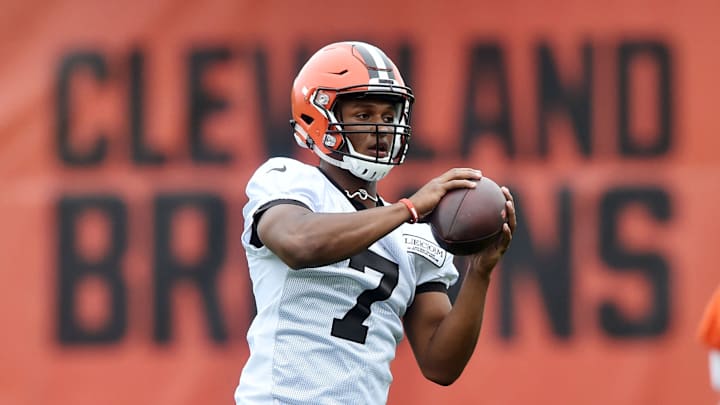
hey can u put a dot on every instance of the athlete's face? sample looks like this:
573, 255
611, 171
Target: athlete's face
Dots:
370, 137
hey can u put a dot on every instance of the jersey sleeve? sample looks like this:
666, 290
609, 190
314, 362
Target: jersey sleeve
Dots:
277, 180
433, 265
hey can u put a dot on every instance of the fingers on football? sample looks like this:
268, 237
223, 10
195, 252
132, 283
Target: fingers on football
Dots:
507, 193
506, 239
459, 183
512, 217
463, 173
510, 208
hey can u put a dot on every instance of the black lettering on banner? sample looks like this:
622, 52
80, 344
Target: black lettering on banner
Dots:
204, 273
274, 122
74, 269
141, 152
71, 65
549, 265
651, 265
555, 96
351, 327
203, 103
405, 61
661, 143
487, 81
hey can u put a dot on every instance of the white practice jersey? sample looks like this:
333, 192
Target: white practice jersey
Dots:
327, 335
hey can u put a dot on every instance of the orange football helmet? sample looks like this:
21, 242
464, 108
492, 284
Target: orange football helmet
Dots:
349, 69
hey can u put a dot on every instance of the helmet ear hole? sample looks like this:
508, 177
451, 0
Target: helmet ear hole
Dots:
308, 119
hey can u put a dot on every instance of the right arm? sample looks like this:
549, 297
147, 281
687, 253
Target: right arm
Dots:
302, 238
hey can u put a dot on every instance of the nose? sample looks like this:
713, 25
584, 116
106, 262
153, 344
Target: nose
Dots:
385, 135
384, 129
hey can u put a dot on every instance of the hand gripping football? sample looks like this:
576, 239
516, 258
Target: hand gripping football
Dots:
468, 219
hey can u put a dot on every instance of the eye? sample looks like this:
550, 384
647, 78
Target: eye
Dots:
389, 119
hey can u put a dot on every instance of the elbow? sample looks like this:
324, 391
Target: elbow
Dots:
294, 264
297, 260
299, 255
442, 377
443, 380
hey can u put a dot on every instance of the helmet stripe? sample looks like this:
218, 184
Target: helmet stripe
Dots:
379, 65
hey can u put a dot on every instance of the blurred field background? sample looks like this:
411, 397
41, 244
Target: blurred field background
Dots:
128, 131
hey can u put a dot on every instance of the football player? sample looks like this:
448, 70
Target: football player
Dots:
338, 272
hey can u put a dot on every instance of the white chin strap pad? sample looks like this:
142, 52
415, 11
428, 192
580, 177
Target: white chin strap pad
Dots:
367, 171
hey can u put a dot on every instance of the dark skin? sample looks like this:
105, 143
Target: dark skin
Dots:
443, 336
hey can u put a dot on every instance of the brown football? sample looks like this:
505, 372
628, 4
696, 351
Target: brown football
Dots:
468, 219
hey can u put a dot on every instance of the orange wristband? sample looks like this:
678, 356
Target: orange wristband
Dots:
413, 212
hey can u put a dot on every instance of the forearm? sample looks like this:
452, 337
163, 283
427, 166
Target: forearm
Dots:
444, 336
453, 342
318, 239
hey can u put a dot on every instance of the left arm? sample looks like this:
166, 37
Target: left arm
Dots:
443, 336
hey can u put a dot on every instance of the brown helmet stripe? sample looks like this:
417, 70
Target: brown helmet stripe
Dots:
378, 64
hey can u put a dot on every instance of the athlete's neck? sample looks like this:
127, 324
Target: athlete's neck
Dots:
348, 182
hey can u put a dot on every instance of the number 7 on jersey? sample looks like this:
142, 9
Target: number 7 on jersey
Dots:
350, 327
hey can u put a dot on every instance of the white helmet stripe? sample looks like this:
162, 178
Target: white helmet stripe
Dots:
375, 58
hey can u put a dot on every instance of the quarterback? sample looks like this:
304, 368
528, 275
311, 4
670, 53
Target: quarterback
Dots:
340, 274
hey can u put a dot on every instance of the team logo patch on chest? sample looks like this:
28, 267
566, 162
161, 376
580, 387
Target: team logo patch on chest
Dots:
425, 248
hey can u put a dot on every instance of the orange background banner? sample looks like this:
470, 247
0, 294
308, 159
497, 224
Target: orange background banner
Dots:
128, 132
